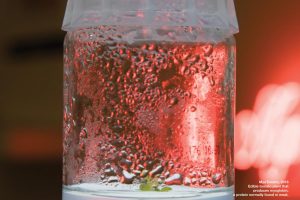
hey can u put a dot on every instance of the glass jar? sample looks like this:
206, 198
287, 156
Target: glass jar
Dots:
149, 99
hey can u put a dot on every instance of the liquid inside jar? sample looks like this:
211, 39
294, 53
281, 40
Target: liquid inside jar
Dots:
147, 109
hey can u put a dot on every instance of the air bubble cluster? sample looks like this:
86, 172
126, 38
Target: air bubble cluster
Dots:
123, 103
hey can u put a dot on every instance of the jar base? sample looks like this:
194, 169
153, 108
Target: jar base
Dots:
131, 192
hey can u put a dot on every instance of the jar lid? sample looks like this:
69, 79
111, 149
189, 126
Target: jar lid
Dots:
210, 15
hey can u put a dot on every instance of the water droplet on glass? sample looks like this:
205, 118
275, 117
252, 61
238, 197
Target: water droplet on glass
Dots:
158, 170
109, 172
127, 177
193, 108
216, 178
202, 180
173, 101
144, 173
175, 179
187, 181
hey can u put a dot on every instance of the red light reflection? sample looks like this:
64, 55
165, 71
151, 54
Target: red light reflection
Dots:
268, 138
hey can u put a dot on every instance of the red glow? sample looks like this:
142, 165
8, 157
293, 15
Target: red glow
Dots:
33, 144
268, 138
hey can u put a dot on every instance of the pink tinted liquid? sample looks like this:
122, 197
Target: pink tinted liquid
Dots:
146, 109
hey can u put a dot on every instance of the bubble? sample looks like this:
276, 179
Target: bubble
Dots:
127, 177
185, 56
173, 101
144, 173
208, 182
187, 181
107, 166
194, 181
212, 81
109, 172
83, 133
202, 180
123, 154
149, 164
137, 172
183, 69
208, 49
193, 108
204, 173
158, 170
175, 179
216, 178
152, 47
193, 174
203, 65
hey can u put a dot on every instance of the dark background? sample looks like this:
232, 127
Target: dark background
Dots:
268, 51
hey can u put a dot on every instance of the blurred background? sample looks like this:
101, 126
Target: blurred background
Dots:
268, 52
31, 99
